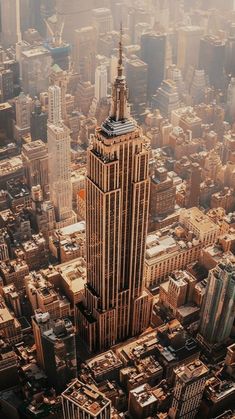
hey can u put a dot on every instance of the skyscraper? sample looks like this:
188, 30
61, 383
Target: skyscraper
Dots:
101, 82
188, 47
117, 190
8, 22
85, 49
218, 310
58, 136
153, 53
136, 74
35, 162
38, 122
23, 105
193, 186
212, 59
59, 353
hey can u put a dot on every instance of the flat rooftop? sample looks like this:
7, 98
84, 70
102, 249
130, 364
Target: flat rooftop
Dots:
103, 362
195, 369
198, 219
87, 398
73, 228
5, 315
35, 52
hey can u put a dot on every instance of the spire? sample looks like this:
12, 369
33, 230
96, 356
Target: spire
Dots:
119, 121
119, 111
120, 65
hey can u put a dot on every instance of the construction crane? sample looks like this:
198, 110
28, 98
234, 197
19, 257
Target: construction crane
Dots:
56, 33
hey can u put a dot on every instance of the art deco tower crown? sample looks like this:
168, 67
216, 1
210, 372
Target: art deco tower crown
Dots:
119, 122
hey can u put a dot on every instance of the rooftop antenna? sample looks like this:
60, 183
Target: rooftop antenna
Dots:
120, 65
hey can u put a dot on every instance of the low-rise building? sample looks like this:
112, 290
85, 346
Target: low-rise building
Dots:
145, 371
85, 401
42, 295
13, 272
10, 327
105, 366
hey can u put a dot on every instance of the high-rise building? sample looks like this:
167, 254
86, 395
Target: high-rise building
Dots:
167, 98
36, 66
8, 22
162, 196
217, 315
212, 59
230, 52
102, 20
59, 77
82, 400
35, 162
58, 136
117, 199
198, 87
38, 123
189, 386
136, 75
85, 45
59, 353
188, 47
6, 85
23, 105
231, 101
153, 52
40, 323
101, 82
193, 187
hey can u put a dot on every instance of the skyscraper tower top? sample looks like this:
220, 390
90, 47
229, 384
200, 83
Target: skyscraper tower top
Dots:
119, 122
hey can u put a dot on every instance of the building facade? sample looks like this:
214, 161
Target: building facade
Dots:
218, 311
59, 160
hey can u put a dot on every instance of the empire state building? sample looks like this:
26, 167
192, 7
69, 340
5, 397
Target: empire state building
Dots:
116, 305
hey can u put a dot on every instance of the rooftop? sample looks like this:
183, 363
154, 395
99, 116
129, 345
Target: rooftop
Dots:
5, 315
86, 397
195, 369
105, 361
198, 219
35, 52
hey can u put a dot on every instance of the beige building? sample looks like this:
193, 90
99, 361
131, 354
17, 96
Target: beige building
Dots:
10, 328
188, 46
171, 249
13, 299
82, 400
34, 252
35, 162
188, 390
200, 224
168, 253
85, 49
59, 160
14, 272
68, 243
42, 295
73, 279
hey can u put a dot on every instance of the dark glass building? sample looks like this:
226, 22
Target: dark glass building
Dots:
38, 123
59, 354
153, 52
212, 59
